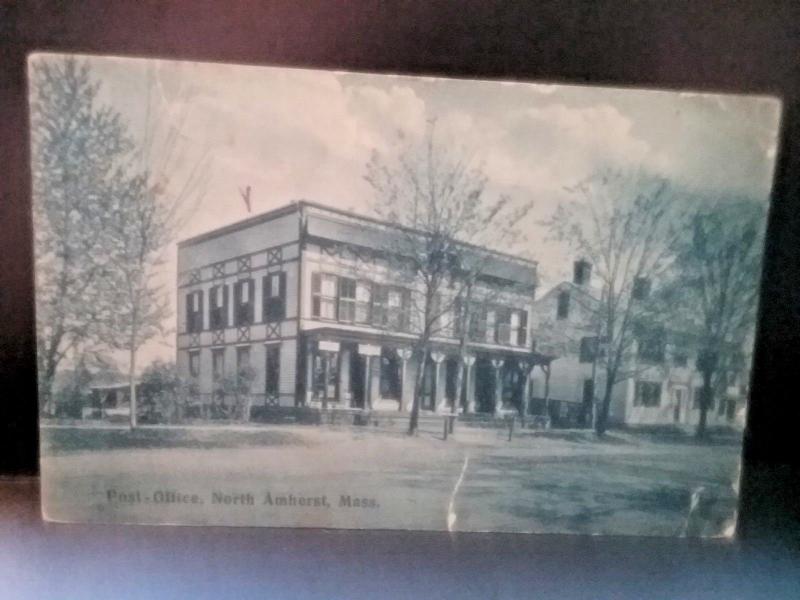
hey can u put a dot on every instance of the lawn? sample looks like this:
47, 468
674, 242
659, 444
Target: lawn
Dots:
368, 477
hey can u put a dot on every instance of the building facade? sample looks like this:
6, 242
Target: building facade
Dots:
662, 384
311, 302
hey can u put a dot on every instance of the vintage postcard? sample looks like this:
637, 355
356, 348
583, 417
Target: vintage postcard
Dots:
303, 298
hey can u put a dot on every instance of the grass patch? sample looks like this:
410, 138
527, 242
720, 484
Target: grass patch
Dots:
55, 442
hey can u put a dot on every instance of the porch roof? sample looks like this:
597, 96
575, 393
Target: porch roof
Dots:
400, 340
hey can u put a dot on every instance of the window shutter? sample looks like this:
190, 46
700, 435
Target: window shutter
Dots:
189, 313
265, 295
282, 295
523, 328
200, 312
225, 301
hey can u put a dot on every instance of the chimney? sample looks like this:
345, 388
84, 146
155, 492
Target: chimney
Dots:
581, 272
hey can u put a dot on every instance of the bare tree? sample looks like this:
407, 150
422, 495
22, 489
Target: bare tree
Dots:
79, 148
436, 198
138, 232
625, 222
714, 288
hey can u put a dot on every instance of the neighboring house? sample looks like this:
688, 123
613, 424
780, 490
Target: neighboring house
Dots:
663, 386
309, 298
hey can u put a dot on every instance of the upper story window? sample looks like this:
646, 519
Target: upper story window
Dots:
680, 359
323, 295
347, 299
363, 301
274, 298
519, 327
651, 345
390, 307
588, 351
562, 309
243, 291
641, 288
218, 307
503, 326
194, 311
491, 324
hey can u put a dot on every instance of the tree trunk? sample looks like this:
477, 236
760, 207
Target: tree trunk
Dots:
546, 370
132, 376
46, 389
413, 420
705, 400
601, 424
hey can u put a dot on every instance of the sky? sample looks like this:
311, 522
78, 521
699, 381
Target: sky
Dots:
290, 134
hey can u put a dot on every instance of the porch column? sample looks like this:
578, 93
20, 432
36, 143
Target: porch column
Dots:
404, 354
469, 361
527, 369
368, 351
437, 358
309, 387
497, 363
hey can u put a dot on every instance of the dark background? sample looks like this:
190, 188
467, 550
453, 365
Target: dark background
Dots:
710, 45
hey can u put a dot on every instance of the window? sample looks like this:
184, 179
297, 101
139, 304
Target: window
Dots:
396, 307
588, 349
243, 307
477, 323
519, 327
390, 307
218, 309
562, 310
274, 302
648, 393
323, 296
641, 288
194, 311
503, 326
651, 345
218, 363
242, 359
194, 363
347, 300
272, 371
363, 300
491, 324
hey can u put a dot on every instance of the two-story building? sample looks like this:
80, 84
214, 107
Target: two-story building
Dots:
309, 298
661, 384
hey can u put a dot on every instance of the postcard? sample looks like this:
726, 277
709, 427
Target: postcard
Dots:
303, 298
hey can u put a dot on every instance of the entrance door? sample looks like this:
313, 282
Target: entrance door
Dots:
588, 401
450, 367
357, 366
484, 385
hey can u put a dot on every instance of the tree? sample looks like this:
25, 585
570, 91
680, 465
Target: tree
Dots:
437, 200
139, 228
79, 148
625, 223
240, 386
714, 288
164, 389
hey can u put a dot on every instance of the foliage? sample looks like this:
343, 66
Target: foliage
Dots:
437, 199
714, 287
625, 223
79, 149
